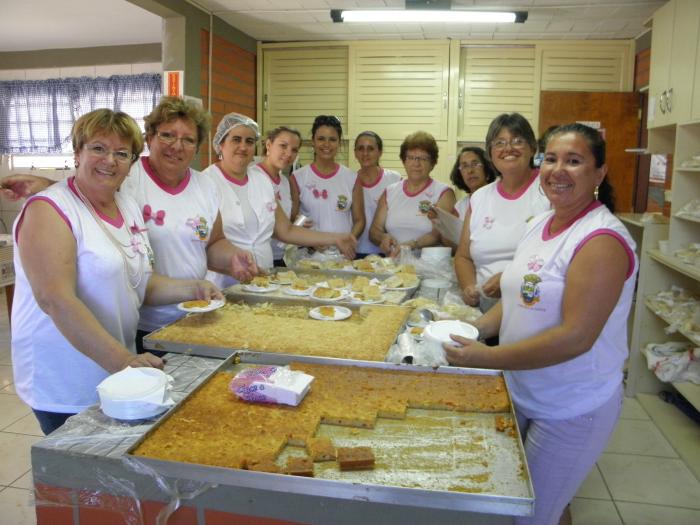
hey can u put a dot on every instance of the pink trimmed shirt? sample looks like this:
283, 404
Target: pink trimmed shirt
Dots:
326, 199
532, 290
406, 217
372, 193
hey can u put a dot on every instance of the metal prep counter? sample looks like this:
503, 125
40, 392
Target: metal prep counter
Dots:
85, 465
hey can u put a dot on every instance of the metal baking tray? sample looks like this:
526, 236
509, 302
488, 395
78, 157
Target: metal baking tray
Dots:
392, 296
153, 342
508, 490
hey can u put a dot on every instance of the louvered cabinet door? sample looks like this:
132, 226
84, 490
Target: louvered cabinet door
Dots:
495, 80
590, 69
301, 83
399, 88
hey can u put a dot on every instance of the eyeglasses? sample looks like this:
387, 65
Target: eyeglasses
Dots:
170, 138
471, 165
517, 143
121, 156
411, 158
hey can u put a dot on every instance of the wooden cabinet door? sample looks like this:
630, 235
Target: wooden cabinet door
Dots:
618, 114
661, 47
683, 52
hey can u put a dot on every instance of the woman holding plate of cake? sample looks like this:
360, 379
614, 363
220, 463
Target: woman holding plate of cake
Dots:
562, 322
250, 208
402, 218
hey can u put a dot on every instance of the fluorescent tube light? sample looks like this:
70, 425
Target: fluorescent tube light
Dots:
428, 16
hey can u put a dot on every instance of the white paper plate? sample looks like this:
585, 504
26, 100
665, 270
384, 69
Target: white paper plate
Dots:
293, 291
400, 288
343, 295
340, 313
213, 305
260, 289
370, 301
134, 411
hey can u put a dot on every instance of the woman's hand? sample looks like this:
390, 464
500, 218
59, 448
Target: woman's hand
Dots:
15, 187
206, 290
471, 295
492, 287
466, 352
389, 245
243, 266
347, 244
146, 360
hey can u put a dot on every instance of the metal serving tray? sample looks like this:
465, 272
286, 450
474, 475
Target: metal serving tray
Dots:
510, 494
153, 342
392, 296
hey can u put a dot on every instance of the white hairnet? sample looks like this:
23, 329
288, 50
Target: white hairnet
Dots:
229, 122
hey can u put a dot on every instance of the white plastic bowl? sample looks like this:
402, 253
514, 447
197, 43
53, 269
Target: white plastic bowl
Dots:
436, 253
135, 393
439, 331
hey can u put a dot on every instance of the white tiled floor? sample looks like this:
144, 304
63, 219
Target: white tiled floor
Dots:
640, 480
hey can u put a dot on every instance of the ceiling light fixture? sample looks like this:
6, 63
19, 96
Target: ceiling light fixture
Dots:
429, 16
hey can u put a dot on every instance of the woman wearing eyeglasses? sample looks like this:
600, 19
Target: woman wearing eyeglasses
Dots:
374, 180
327, 192
498, 212
83, 268
471, 171
180, 206
402, 214
250, 208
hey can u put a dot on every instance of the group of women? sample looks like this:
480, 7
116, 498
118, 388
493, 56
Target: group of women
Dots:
111, 249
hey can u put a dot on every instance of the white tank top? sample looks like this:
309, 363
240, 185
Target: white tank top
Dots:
283, 195
248, 215
371, 195
532, 288
462, 207
179, 222
50, 374
406, 214
498, 221
326, 199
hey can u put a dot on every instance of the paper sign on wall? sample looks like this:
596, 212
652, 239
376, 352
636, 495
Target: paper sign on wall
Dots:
173, 83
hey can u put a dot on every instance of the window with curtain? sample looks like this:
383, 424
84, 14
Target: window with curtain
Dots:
36, 116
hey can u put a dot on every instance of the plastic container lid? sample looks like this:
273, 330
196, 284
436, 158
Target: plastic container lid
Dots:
438, 284
439, 331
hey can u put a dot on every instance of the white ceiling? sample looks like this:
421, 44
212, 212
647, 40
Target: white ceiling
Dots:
27, 25
53, 24
285, 20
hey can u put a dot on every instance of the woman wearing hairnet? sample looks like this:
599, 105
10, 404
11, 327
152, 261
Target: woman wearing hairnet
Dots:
250, 212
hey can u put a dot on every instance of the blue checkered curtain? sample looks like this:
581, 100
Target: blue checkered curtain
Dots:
36, 116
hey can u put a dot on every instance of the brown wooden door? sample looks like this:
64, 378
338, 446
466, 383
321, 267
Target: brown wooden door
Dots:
618, 114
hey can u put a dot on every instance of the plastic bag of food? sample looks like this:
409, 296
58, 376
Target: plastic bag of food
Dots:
271, 384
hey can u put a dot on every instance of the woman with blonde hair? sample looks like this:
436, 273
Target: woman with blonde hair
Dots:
74, 320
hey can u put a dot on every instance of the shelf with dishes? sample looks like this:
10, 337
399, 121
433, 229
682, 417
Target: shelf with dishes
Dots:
693, 337
675, 263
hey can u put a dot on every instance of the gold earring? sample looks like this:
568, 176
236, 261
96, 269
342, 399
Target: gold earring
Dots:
595, 193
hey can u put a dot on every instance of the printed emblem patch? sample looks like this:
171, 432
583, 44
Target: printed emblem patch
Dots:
530, 290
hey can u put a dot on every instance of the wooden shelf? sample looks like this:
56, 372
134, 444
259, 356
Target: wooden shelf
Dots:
687, 218
675, 264
691, 392
637, 219
692, 338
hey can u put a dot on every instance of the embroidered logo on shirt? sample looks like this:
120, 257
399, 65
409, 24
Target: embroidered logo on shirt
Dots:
158, 217
424, 207
200, 227
488, 222
342, 203
534, 263
530, 290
